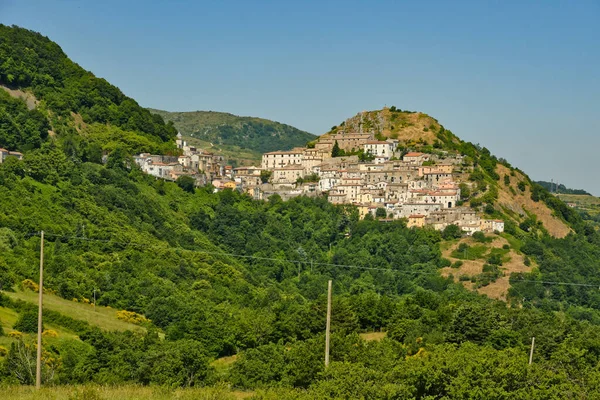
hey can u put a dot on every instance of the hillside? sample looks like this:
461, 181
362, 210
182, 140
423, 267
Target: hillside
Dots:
64, 99
412, 128
256, 134
554, 187
212, 275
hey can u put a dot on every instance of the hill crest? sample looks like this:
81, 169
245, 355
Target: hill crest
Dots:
257, 134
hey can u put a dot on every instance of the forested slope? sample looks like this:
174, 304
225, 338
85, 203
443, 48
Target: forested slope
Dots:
257, 134
73, 100
212, 275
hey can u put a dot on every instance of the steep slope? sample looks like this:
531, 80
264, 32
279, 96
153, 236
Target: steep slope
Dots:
69, 101
412, 128
257, 134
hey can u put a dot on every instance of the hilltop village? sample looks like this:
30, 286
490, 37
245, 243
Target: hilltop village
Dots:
379, 177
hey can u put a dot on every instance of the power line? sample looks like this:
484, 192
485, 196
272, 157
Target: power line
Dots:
216, 253
243, 256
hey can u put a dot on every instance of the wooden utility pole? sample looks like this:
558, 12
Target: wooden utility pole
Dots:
328, 324
94, 299
531, 352
38, 366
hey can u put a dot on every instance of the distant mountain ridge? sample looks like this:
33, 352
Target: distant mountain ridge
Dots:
258, 134
554, 187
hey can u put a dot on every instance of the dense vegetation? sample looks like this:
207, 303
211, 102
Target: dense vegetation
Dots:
261, 135
211, 275
156, 249
560, 188
30, 61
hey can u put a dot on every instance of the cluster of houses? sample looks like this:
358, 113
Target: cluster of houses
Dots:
197, 163
422, 188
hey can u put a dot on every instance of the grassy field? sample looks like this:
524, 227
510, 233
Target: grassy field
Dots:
587, 203
103, 317
126, 392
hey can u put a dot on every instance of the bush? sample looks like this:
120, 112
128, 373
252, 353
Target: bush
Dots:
457, 264
494, 259
27, 322
452, 232
481, 238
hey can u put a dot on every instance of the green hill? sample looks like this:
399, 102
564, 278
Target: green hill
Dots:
560, 188
257, 134
220, 274
70, 102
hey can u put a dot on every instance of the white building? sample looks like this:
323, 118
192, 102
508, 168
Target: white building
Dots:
279, 159
379, 149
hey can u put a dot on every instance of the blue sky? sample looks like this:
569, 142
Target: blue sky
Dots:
520, 77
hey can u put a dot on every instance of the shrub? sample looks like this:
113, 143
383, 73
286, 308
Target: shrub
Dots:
131, 317
457, 264
31, 285
27, 322
50, 333
495, 259
444, 262
480, 237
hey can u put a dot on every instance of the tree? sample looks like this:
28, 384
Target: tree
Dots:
186, 183
336, 151
265, 176
452, 232
27, 322
175, 364
380, 212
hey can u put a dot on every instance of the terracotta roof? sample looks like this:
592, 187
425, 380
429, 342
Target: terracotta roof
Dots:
376, 142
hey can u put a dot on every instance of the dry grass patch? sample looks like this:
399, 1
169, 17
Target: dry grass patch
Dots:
514, 262
521, 204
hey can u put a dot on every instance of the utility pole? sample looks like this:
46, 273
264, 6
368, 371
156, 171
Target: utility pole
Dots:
94, 299
531, 352
38, 366
328, 324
